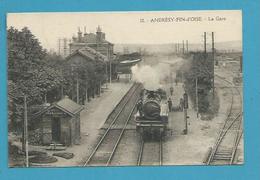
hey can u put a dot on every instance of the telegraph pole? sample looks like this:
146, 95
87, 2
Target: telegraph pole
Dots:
183, 48
205, 43
26, 131
65, 47
106, 73
197, 99
110, 73
213, 65
186, 106
77, 88
187, 46
241, 64
59, 48
77, 81
62, 91
86, 93
110, 66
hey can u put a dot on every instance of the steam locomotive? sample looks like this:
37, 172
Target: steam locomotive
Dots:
152, 114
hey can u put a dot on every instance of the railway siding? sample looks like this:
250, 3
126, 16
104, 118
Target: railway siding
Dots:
225, 148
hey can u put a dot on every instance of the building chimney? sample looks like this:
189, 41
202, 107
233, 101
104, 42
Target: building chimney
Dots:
79, 35
85, 31
99, 34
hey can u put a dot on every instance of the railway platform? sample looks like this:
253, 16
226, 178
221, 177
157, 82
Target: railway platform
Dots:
192, 148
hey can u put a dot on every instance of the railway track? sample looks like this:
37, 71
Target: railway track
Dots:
105, 149
225, 147
150, 153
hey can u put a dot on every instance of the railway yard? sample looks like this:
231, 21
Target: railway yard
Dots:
109, 136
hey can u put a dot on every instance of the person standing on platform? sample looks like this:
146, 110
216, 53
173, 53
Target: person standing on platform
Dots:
181, 104
139, 107
170, 104
176, 81
171, 90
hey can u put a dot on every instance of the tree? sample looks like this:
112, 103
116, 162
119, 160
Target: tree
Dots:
199, 67
89, 74
28, 72
24, 56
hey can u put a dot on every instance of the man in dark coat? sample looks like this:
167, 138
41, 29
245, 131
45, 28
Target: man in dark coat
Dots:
139, 107
171, 90
170, 104
181, 104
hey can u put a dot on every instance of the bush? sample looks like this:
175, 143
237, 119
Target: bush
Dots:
43, 159
64, 155
35, 137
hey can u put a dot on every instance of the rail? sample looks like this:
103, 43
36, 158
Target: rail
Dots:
126, 98
227, 126
160, 152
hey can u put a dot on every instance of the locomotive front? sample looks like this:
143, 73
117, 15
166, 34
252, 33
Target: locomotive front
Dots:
152, 116
151, 105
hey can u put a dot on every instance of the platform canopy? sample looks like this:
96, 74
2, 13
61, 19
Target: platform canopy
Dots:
124, 67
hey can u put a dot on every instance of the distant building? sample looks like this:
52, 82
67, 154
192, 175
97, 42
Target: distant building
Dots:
95, 41
63, 47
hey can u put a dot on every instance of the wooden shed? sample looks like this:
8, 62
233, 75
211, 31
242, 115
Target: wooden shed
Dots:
60, 123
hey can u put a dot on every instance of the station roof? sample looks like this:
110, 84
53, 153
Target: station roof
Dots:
89, 52
130, 62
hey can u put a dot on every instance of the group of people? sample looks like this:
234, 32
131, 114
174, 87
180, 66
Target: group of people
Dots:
169, 101
170, 104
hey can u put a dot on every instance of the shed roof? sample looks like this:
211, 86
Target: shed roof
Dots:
69, 105
66, 105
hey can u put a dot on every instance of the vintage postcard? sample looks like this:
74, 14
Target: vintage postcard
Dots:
125, 88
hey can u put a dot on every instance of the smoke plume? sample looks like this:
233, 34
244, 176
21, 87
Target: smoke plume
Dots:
150, 76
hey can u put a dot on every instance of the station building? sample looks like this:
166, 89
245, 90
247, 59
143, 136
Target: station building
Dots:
96, 41
87, 66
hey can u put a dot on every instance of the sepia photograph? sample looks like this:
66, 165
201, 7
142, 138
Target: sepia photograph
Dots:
147, 88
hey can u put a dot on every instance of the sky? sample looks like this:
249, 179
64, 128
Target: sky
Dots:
133, 27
